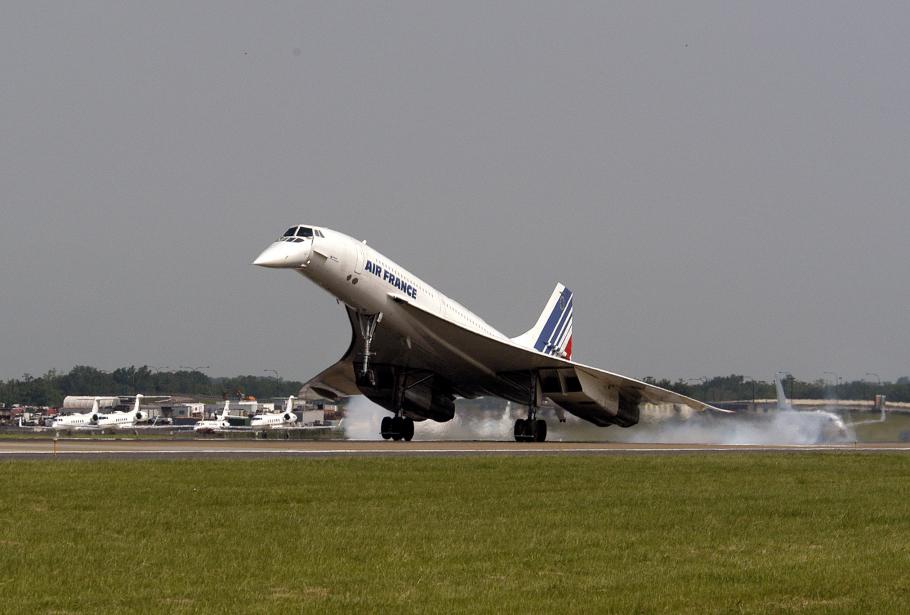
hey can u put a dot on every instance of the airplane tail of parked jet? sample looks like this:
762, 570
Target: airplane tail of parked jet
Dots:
136, 412
226, 410
782, 402
552, 334
289, 404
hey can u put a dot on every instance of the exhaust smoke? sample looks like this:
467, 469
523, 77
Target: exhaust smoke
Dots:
363, 417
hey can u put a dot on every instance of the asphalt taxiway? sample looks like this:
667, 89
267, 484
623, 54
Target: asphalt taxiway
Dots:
143, 448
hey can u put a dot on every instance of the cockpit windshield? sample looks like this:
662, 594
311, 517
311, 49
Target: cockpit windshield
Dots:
297, 234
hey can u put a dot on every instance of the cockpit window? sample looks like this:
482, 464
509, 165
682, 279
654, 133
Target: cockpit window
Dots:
297, 234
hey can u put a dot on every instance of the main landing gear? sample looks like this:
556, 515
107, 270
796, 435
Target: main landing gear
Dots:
531, 429
397, 428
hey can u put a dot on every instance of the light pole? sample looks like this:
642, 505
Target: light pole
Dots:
833, 380
278, 378
752, 382
879, 379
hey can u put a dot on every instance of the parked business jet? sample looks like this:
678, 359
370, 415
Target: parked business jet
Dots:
835, 428
79, 421
122, 420
218, 423
414, 350
275, 420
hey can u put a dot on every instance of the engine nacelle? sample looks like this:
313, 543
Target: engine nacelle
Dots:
141, 416
435, 403
431, 399
628, 413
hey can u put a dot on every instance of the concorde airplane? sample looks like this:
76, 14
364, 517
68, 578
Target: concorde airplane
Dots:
414, 351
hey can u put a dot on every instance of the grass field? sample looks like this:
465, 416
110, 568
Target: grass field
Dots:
726, 533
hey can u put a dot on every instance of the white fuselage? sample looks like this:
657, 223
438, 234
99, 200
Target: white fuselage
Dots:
364, 279
270, 421
75, 422
212, 425
117, 420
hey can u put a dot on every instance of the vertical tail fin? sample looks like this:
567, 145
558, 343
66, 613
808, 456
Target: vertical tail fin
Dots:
226, 410
552, 334
782, 402
289, 405
139, 396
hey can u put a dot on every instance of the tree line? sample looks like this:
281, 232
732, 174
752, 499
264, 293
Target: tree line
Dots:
52, 387
740, 388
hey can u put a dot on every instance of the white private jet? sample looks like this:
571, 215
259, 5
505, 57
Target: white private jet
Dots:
275, 420
834, 427
122, 420
218, 423
414, 350
79, 421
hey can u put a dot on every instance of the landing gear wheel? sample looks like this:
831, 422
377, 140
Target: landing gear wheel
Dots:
396, 428
407, 429
529, 430
385, 427
540, 430
519, 430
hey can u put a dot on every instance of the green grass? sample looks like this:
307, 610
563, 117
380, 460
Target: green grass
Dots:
739, 533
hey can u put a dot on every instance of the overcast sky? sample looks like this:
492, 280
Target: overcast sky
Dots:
723, 185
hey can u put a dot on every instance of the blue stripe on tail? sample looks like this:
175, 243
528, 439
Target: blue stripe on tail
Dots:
556, 322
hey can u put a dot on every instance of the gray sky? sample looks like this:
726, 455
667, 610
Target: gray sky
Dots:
724, 185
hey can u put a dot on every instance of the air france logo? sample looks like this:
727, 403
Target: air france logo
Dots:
392, 279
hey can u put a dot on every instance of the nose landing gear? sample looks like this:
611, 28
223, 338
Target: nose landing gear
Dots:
367, 324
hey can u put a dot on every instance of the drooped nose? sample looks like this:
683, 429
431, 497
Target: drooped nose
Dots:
284, 254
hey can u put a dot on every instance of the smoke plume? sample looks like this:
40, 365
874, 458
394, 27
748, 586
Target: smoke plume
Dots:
362, 421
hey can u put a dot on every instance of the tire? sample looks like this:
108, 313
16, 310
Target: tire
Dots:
397, 423
519, 430
540, 430
407, 429
385, 427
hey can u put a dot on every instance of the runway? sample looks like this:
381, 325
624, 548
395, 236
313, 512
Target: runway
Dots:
85, 448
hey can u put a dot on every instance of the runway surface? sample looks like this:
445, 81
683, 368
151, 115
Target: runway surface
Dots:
165, 449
